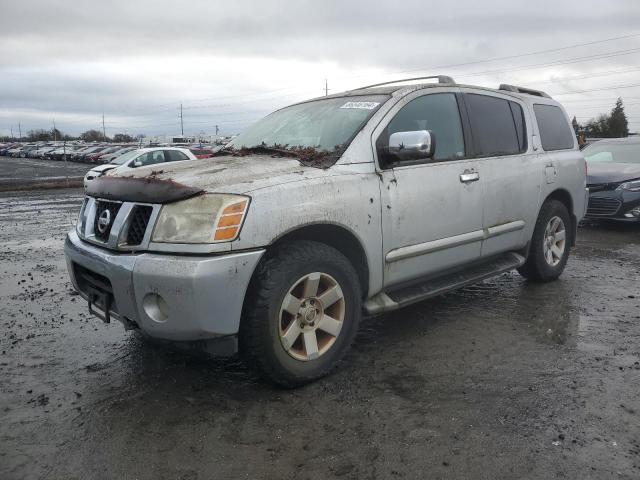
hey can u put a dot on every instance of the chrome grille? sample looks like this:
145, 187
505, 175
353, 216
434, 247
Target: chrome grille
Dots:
101, 232
128, 227
138, 225
603, 207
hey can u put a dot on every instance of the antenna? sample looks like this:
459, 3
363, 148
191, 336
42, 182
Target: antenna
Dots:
326, 87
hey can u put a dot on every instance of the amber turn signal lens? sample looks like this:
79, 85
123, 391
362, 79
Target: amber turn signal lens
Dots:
226, 233
235, 208
230, 220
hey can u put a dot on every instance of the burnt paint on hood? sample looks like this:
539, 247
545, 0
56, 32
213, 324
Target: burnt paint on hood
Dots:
143, 190
228, 174
611, 172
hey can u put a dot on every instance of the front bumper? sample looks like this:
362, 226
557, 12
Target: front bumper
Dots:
201, 296
613, 205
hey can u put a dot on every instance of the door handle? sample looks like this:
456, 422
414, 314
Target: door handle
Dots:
469, 176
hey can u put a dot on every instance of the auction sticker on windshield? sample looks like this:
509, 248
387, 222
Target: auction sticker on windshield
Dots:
362, 105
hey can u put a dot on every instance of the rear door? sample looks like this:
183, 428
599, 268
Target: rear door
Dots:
511, 170
431, 209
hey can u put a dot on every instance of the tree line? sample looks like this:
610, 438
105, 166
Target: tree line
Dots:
42, 135
612, 125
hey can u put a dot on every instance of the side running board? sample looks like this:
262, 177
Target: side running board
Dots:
402, 296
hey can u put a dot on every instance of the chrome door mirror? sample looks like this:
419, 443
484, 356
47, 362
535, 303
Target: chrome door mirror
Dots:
416, 145
137, 163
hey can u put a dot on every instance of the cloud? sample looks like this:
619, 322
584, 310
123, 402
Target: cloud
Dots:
230, 63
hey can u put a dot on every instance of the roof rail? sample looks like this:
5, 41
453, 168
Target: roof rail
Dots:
528, 91
441, 79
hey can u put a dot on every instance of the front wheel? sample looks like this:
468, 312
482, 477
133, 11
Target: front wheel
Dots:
302, 313
549, 249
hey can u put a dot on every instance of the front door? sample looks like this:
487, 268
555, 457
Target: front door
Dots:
432, 209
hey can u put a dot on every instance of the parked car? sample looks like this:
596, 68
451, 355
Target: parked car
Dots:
95, 157
63, 151
109, 157
202, 152
42, 151
364, 201
25, 151
613, 179
6, 149
139, 158
85, 149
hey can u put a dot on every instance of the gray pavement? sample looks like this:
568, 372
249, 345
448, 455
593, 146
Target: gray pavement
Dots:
27, 168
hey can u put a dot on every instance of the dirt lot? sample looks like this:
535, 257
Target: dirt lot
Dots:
502, 380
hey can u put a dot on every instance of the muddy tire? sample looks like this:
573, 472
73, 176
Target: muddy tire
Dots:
302, 312
550, 243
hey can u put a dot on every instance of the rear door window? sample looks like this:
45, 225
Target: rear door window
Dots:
555, 132
175, 155
495, 128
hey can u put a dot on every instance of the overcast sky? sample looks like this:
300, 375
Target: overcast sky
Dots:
231, 62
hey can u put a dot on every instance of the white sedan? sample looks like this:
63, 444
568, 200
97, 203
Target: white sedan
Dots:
140, 158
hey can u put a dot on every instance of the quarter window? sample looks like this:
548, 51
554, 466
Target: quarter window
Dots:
497, 126
436, 112
555, 133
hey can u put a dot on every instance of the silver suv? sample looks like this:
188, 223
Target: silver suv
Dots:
351, 204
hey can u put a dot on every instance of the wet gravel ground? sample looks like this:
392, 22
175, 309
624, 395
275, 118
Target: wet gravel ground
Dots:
506, 379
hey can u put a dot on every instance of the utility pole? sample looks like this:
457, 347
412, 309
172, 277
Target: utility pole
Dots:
54, 130
217, 130
326, 87
181, 123
20, 130
11, 132
104, 133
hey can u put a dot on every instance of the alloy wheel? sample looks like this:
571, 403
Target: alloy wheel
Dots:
311, 316
554, 241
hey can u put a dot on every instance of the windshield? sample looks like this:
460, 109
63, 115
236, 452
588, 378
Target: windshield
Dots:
125, 157
324, 125
606, 152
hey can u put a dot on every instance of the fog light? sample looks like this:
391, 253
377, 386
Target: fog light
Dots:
633, 213
155, 307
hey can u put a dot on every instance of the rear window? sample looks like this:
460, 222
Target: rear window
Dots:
497, 126
555, 132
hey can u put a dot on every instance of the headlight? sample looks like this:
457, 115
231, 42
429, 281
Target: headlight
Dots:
632, 186
207, 218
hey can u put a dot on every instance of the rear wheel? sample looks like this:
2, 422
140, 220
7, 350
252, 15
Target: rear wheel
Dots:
549, 249
302, 313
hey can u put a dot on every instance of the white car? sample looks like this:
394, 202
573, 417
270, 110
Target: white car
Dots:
140, 158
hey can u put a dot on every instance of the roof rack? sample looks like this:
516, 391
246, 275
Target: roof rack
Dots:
441, 79
528, 91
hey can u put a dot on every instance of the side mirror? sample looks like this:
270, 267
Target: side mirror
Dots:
137, 163
416, 145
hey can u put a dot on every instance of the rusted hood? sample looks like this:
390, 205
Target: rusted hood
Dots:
163, 183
